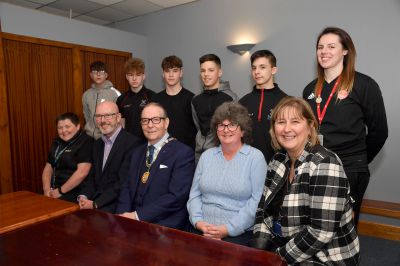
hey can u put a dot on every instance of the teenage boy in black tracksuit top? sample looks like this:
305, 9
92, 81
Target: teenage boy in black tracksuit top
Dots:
264, 97
214, 94
131, 102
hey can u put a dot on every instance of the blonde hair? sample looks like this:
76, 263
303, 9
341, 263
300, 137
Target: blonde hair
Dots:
303, 110
134, 65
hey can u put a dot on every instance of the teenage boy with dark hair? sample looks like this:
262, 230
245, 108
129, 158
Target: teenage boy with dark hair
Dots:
131, 102
265, 96
101, 90
204, 104
177, 101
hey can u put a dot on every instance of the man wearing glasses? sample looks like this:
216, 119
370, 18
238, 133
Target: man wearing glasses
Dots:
111, 158
160, 175
100, 91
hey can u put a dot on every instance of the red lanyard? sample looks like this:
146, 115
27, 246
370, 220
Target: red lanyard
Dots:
261, 105
321, 116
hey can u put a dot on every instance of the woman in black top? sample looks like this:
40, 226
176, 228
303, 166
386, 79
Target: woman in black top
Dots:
69, 160
349, 107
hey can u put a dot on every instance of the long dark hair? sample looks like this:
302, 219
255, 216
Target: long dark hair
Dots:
348, 72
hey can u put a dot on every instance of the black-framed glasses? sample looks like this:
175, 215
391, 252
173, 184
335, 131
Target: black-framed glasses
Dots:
98, 72
105, 116
155, 120
231, 127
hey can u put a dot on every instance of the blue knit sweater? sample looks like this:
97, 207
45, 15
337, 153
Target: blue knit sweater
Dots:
227, 192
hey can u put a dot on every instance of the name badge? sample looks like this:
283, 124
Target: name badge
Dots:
321, 139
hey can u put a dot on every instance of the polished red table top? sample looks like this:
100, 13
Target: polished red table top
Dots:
90, 237
22, 208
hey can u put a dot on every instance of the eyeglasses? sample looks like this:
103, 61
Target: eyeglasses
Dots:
155, 120
231, 127
98, 72
105, 116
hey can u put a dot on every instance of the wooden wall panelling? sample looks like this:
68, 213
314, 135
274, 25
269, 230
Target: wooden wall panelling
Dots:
115, 67
39, 80
119, 74
77, 83
5, 158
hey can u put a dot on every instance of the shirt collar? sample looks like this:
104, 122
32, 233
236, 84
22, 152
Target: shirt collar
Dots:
139, 90
113, 136
245, 149
302, 157
160, 143
210, 91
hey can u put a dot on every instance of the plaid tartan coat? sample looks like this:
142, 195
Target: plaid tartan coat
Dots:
315, 214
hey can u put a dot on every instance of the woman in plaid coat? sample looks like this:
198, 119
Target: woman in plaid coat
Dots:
305, 212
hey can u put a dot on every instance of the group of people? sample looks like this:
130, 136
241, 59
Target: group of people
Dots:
270, 171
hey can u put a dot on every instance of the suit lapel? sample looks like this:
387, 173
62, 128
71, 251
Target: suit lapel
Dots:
164, 153
137, 175
100, 156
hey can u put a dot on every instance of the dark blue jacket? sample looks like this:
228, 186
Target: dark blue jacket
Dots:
163, 199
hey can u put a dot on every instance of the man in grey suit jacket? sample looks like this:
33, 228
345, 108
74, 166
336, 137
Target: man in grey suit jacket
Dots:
111, 158
160, 175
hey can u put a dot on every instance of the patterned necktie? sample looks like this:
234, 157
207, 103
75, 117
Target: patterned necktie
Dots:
151, 154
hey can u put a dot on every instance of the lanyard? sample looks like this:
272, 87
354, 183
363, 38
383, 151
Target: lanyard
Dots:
261, 105
57, 156
319, 99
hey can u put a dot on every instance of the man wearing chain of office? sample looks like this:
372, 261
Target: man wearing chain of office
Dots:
160, 175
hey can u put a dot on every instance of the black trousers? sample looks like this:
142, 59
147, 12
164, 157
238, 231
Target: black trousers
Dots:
358, 185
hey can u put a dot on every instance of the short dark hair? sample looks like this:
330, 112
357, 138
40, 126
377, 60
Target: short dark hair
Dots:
157, 105
68, 115
235, 113
98, 66
264, 53
171, 61
134, 65
210, 57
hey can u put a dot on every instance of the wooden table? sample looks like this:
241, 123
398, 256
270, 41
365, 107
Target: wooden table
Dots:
91, 237
22, 208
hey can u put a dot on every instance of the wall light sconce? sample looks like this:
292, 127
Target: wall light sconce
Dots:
241, 48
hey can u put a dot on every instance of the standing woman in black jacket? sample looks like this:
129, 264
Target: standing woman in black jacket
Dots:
349, 107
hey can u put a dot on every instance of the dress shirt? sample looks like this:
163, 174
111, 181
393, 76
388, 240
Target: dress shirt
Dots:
108, 143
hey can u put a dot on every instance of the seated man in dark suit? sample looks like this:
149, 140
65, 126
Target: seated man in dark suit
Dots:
111, 158
160, 175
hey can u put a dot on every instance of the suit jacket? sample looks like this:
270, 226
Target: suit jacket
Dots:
163, 201
103, 185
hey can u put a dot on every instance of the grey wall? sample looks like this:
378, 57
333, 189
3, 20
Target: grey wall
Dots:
288, 28
29, 22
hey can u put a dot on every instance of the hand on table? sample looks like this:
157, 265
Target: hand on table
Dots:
211, 230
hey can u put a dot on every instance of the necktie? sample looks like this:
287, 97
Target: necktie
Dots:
151, 154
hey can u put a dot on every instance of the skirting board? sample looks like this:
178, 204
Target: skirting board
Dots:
385, 231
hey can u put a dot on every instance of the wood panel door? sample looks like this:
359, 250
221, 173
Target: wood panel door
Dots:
39, 87
40, 79
115, 68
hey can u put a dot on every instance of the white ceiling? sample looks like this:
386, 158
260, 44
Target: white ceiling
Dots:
102, 12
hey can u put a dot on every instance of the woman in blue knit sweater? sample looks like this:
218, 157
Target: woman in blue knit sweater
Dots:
229, 179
